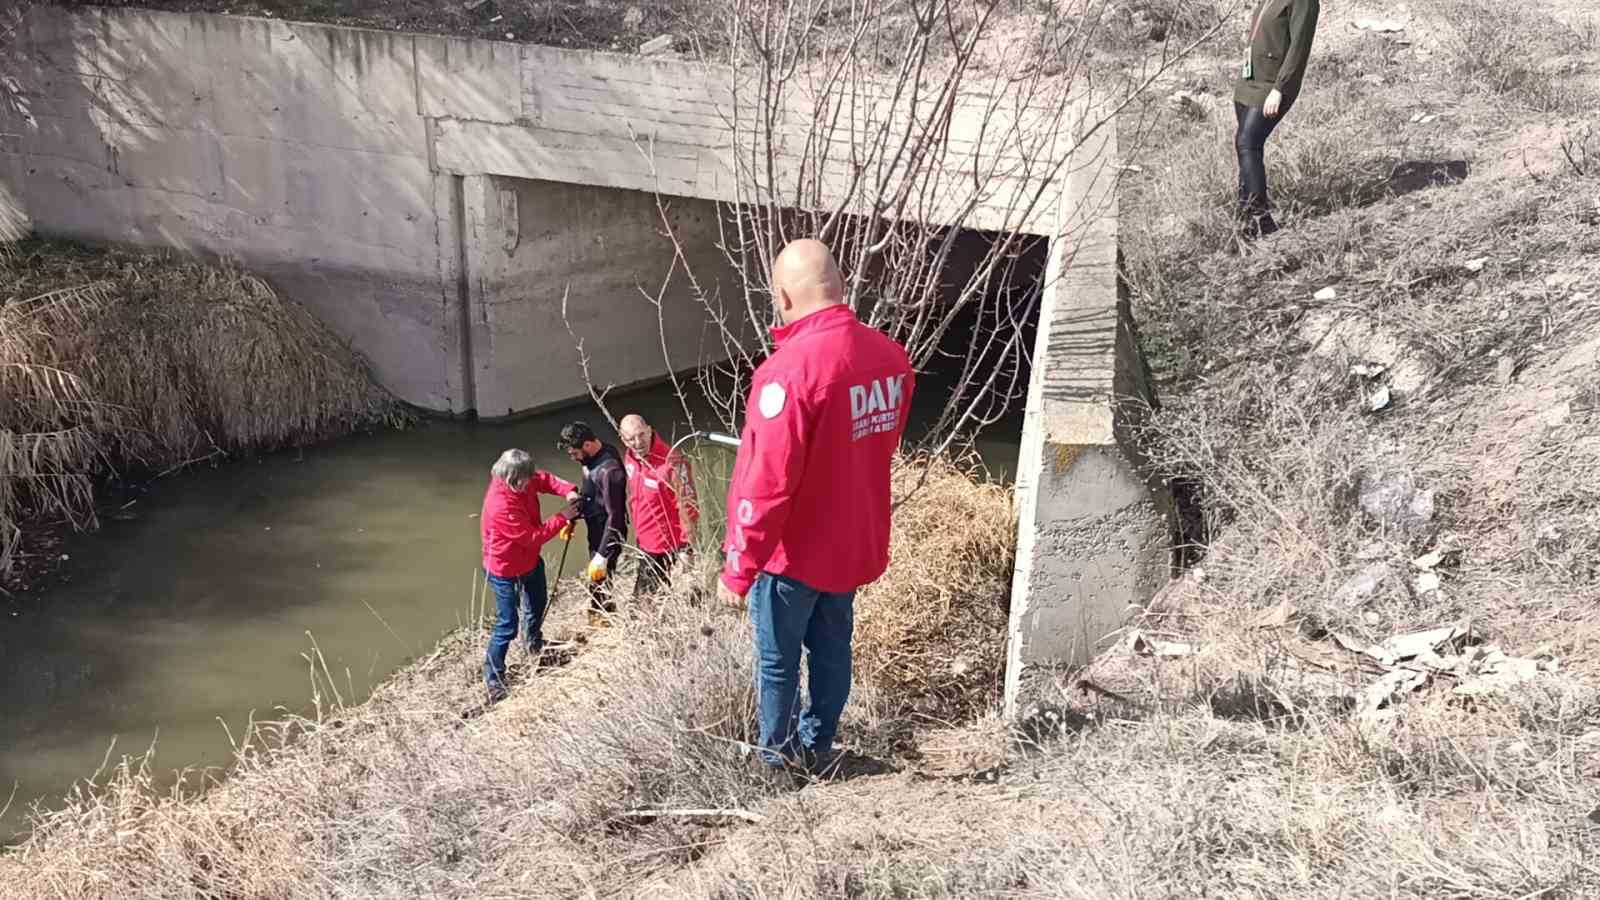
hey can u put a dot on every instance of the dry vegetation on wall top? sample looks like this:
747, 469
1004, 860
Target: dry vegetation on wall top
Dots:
124, 362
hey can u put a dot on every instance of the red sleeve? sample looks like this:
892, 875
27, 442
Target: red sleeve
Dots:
543, 482
771, 461
547, 530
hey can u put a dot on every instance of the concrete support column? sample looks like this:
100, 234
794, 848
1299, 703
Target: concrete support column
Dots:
1093, 536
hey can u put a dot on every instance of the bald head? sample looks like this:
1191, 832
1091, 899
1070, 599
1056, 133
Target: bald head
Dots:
805, 279
636, 434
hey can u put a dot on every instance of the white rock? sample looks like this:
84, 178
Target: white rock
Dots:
1382, 26
656, 45
1325, 294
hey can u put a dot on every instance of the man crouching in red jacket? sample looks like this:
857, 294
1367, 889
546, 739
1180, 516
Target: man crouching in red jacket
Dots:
808, 507
513, 535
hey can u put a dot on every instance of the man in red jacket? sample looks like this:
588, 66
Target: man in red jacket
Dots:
513, 535
661, 499
808, 507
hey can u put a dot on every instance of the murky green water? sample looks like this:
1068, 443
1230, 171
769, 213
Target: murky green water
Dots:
198, 611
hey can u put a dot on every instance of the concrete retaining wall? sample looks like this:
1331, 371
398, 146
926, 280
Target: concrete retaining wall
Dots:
1093, 536
309, 153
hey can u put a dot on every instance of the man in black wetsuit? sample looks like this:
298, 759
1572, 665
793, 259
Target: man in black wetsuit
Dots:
603, 504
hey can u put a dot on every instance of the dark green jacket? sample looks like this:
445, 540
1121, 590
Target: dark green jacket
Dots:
1279, 52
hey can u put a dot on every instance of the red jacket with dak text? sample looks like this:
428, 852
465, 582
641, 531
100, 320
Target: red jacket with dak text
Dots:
810, 493
513, 533
655, 486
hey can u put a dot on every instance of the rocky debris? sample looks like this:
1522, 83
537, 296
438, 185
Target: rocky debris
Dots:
1189, 103
1146, 646
1409, 662
1505, 370
656, 46
1346, 336
1393, 501
1365, 585
1326, 294
1379, 26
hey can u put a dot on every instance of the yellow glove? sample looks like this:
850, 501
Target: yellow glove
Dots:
597, 568
566, 532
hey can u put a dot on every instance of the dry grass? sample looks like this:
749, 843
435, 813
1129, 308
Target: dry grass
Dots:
113, 361
931, 633
1536, 61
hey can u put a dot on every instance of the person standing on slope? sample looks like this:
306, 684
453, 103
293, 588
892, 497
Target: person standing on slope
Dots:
662, 500
1274, 67
808, 506
603, 503
513, 535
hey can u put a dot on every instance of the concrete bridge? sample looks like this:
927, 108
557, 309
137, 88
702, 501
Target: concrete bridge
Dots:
433, 198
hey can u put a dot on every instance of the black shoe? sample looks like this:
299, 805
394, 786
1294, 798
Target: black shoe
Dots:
1260, 226
781, 778
823, 766
496, 694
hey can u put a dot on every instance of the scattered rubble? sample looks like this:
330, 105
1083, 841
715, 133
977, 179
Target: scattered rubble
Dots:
1189, 103
1144, 646
1393, 501
1364, 585
656, 45
1379, 26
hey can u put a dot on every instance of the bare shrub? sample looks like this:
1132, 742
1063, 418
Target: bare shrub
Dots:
888, 130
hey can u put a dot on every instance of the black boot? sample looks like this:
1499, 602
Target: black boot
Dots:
1259, 225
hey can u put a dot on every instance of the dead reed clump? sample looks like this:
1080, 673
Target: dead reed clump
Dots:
114, 362
931, 632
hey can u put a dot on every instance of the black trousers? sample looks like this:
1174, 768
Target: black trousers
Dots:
655, 572
1250, 141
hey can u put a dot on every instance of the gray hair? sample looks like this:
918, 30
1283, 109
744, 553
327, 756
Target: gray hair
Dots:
514, 467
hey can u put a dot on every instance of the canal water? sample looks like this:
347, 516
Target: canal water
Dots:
196, 611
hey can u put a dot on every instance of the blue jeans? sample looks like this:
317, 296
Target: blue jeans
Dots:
788, 615
507, 594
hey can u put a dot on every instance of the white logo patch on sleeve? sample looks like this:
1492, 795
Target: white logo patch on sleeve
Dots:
772, 400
